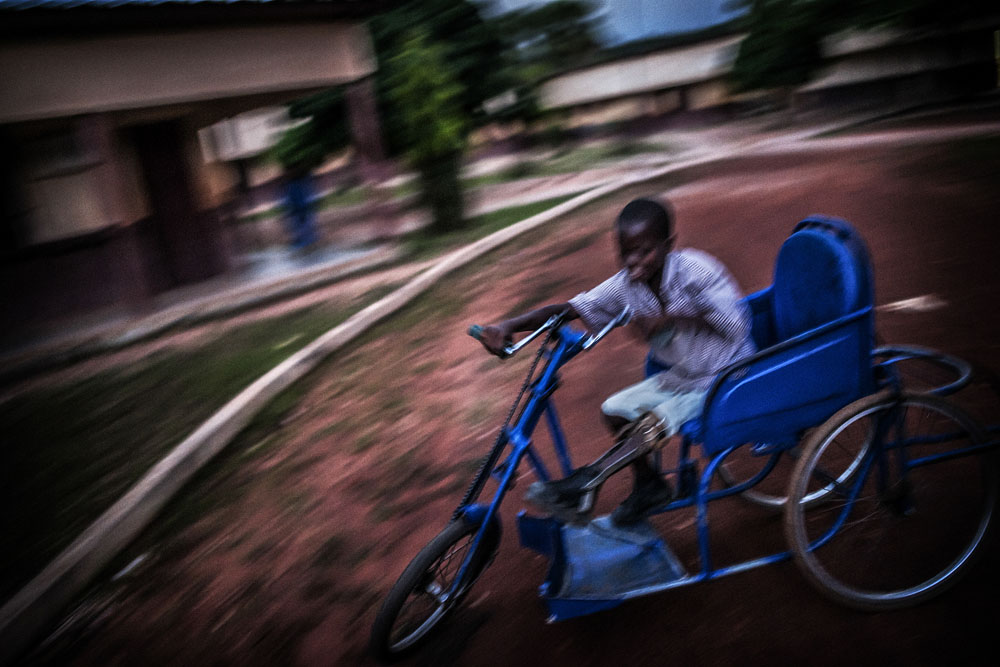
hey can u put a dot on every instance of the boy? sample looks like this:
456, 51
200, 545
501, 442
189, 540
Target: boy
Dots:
688, 308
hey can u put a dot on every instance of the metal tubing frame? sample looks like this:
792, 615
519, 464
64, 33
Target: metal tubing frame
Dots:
569, 344
558, 438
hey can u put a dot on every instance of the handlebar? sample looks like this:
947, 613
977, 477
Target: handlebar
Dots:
476, 331
621, 319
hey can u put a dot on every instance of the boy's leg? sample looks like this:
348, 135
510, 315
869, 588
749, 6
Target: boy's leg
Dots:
633, 442
638, 430
650, 490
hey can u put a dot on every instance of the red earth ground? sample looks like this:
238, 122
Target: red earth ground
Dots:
294, 548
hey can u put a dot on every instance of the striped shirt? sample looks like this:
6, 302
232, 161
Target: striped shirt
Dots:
694, 284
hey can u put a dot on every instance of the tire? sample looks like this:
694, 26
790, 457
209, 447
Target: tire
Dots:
771, 492
885, 535
922, 371
394, 634
742, 465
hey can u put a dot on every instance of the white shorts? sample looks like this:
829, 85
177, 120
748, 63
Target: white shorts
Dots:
672, 407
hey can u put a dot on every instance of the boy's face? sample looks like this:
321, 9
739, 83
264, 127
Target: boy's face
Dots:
642, 251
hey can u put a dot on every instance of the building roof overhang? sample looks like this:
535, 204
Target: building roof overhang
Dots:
37, 19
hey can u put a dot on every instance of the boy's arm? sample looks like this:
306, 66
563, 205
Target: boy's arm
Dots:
722, 308
496, 336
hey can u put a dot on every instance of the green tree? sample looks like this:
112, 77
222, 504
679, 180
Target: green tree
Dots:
471, 49
552, 37
431, 122
539, 42
783, 46
322, 131
471, 62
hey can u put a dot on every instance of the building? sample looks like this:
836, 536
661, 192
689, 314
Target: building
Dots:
689, 73
105, 198
688, 77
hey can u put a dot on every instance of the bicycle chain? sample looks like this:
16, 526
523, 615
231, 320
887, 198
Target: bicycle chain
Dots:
490, 460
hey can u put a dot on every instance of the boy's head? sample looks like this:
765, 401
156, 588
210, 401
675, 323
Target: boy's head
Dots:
645, 235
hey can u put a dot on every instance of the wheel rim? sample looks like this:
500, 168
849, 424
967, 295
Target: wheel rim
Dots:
433, 596
772, 491
890, 533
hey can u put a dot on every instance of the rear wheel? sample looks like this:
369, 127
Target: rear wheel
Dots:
429, 588
889, 525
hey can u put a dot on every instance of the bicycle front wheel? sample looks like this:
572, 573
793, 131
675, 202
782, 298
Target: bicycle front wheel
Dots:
904, 501
430, 588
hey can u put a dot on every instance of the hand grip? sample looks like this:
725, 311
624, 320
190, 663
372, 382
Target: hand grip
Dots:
476, 331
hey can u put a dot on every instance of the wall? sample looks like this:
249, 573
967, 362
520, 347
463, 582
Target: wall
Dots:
885, 67
653, 72
67, 77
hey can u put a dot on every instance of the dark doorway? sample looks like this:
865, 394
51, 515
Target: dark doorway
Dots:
184, 244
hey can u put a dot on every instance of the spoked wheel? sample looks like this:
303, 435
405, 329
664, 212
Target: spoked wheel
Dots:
429, 588
897, 513
772, 491
744, 464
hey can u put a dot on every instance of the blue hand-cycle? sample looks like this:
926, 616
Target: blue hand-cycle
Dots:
891, 492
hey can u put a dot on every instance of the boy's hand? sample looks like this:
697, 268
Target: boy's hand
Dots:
494, 338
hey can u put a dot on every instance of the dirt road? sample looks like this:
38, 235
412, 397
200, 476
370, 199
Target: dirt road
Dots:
287, 555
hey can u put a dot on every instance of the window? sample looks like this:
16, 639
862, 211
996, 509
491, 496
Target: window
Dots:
63, 187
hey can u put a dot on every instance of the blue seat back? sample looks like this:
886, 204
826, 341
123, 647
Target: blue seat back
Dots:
822, 293
817, 278
823, 272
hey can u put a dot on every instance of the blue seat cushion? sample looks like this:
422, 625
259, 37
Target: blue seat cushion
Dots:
816, 280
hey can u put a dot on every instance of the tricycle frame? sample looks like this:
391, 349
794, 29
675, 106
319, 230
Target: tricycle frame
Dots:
855, 376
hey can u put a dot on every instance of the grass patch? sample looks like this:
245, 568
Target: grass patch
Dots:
342, 198
356, 196
515, 172
364, 442
71, 451
479, 413
423, 245
394, 405
425, 368
333, 549
336, 428
580, 243
219, 484
586, 157
569, 161
563, 162
347, 197
379, 292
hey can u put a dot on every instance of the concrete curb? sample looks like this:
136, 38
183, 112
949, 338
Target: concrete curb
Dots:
25, 615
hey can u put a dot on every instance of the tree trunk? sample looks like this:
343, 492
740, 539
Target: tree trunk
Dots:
442, 192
